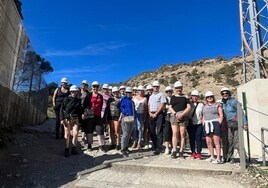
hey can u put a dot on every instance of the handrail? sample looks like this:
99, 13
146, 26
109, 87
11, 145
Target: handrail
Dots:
263, 146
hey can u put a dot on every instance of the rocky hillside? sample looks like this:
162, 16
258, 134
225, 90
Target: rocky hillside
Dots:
203, 75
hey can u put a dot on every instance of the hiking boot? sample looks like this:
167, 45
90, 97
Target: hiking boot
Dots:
198, 156
174, 155
74, 151
117, 147
66, 152
89, 147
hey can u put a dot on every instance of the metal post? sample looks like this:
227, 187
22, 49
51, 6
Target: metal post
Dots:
263, 148
241, 138
246, 113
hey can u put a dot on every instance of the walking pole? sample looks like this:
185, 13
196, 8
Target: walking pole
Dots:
246, 113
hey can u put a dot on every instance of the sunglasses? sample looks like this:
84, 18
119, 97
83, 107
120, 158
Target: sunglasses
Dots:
224, 93
209, 97
178, 87
95, 86
168, 91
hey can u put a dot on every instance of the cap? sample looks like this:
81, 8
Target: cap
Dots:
168, 88
208, 94
105, 86
115, 89
195, 93
64, 80
74, 88
156, 83
128, 90
178, 84
95, 83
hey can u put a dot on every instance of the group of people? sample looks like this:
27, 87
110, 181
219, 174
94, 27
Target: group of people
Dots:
137, 115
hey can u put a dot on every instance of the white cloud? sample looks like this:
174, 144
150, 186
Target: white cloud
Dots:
90, 50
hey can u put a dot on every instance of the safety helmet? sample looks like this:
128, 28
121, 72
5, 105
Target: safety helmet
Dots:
74, 88
105, 86
140, 88
64, 80
168, 88
85, 82
128, 90
115, 89
225, 89
156, 83
110, 87
178, 84
195, 93
95, 83
209, 94
149, 87
135, 88
122, 87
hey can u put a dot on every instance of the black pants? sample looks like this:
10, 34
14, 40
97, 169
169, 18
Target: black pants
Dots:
167, 131
156, 131
58, 125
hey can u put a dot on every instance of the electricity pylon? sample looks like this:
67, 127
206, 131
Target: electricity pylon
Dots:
254, 35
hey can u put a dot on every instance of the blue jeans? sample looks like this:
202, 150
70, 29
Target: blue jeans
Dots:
195, 136
138, 127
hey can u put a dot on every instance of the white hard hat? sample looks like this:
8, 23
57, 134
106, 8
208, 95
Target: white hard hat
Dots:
95, 83
128, 90
156, 83
110, 87
115, 89
122, 87
177, 84
208, 94
168, 88
225, 89
140, 88
149, 87
195, 93
74, 88
105, 86
64, 80
85, 82
135, 88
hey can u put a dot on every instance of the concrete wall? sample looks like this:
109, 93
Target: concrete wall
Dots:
16, 111
257, 108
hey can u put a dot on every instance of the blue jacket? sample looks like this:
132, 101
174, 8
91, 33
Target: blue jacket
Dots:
127, 106
230, 110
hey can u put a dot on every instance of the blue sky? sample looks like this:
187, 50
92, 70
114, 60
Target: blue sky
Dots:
114, 40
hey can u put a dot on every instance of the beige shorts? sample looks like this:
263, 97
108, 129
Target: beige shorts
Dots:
178, 122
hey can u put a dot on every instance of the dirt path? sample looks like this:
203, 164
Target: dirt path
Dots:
36, 159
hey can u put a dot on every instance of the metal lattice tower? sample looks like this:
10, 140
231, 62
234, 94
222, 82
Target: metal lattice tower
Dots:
254, 35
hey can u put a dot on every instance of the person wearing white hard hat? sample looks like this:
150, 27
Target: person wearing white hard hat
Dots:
179, 108
110, 91
106, 96
113, 116
212, 120
83, 93
229, 105
156, 105
195, 128
146, 135
167, 131
135, 90
93, 105
128, 116
70, 115
122, 90
141, 104
57, 99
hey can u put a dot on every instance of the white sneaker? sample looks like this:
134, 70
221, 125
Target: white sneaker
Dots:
167, 151
146, 147
211, 159
216, 161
